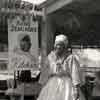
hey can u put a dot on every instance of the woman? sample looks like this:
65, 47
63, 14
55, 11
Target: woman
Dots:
63, 73
24, 63
23, 58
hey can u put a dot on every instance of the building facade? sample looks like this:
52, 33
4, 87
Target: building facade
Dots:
79, 19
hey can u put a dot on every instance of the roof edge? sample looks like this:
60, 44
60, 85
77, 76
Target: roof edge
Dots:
46, 3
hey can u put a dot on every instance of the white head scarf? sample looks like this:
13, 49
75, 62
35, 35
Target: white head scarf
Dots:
61, 38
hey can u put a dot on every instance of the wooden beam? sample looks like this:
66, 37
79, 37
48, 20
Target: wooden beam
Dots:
19, 11
57, 5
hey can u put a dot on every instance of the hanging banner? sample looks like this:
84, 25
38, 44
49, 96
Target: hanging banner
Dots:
22, 25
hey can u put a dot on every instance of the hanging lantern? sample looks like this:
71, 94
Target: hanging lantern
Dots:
22, 6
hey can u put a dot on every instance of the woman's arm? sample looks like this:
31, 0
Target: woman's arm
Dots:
75, 72
75, 75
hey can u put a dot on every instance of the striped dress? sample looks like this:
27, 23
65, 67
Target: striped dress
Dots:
60, 75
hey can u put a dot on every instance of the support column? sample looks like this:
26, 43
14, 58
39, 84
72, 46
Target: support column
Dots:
47, 35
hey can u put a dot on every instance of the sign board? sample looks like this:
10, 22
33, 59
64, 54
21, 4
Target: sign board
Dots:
19, 25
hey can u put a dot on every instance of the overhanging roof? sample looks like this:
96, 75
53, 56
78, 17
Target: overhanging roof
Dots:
53, 5
87, 6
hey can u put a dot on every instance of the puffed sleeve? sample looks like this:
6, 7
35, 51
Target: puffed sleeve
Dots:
75, 70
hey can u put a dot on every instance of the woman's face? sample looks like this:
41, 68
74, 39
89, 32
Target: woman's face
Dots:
25, 45
59, 48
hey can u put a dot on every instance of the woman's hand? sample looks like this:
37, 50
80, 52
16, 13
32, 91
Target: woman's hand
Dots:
76, 96
76, 93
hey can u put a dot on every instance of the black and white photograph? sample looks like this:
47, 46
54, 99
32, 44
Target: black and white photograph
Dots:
49, 50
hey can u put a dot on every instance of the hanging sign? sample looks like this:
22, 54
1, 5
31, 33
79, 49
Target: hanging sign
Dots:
19, 25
